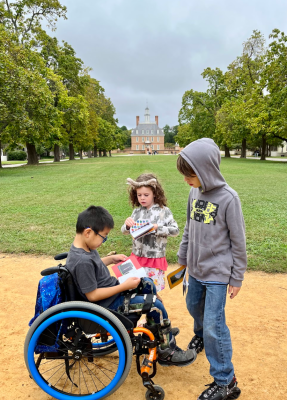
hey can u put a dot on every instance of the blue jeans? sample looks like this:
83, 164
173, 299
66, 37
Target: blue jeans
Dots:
206, 303
140, 299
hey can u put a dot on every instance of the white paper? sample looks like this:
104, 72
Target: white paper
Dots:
135, 273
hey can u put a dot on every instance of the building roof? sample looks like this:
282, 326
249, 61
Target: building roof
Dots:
151, 126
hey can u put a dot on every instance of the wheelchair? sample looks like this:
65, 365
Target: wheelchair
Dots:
78, 349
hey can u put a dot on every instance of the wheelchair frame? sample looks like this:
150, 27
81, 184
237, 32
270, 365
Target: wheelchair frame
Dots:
109, 323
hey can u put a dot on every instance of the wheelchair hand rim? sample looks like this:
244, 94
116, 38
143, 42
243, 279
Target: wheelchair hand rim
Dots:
75, 314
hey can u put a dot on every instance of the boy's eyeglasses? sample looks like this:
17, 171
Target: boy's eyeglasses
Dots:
105, 238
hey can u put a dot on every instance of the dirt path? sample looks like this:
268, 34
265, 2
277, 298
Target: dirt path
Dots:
257, 320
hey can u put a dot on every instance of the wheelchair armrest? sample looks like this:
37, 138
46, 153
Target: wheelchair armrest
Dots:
61, 256
53, 270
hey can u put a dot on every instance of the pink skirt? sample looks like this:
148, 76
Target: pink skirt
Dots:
157, 263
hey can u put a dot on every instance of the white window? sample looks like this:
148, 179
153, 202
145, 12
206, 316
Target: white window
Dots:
151, 132
158, 146
147, 132
157, 131
143, 132
143, 146
151, 146
152, 138
137, 131
142, 139
137, 147
158, 139
137, 139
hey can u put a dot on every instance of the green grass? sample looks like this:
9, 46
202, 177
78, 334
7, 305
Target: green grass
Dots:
39, 205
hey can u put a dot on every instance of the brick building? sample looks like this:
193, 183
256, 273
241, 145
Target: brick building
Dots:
147, 136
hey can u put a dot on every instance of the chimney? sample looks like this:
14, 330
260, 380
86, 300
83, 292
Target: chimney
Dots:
156, 119
137, 120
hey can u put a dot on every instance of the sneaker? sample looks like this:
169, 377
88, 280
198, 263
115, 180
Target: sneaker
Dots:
196, 344
217, 392
175, 356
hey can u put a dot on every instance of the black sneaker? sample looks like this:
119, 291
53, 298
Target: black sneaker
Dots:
196, 344
175, 356
217, 392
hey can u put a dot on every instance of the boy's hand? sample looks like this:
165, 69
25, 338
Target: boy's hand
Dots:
131, 283
233, 291
129, 222
155, 226
116, 258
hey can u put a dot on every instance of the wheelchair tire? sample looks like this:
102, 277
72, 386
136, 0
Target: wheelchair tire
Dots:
74, 358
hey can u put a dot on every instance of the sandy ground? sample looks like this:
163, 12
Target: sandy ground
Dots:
257, 320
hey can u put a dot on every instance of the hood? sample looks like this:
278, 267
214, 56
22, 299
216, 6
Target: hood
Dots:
203, 155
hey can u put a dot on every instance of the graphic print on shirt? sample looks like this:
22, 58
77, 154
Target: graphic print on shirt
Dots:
203, 211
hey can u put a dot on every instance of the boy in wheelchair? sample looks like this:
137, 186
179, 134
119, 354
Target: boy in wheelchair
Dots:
95, 284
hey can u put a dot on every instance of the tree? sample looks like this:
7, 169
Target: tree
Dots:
247, 103
276, 77
24, 17
75, 123
27, 112
199, 109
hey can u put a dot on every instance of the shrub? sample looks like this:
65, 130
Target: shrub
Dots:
17, 155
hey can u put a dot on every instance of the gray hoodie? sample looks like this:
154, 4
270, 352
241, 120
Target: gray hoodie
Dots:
213, 243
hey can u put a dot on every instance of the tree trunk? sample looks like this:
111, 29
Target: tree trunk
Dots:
100, 153
81, 154
243, 149
0, 155
89, 153
71, 151
226, 150
104, 153
110, 153
263, 150
95, 151
56, 153
32, 154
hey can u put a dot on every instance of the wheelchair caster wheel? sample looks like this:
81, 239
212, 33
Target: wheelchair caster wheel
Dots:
158, 396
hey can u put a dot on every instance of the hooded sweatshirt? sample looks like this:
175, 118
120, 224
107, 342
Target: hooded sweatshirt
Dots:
213, 243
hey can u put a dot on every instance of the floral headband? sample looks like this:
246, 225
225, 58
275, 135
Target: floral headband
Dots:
151, 182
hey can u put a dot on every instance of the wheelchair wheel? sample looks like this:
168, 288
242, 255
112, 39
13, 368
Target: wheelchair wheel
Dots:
159, 395
61, 356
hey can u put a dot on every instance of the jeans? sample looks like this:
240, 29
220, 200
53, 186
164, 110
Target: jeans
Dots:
206, 303
139, 299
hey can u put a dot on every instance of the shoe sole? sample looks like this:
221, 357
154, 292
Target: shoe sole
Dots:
171, 364
236, 393
232, 396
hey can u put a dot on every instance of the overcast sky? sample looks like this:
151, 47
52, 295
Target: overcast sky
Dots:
154, 50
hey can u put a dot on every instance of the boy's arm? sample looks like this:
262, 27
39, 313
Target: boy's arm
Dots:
182, 252
236, 226
103, 293
167, 227
114, 259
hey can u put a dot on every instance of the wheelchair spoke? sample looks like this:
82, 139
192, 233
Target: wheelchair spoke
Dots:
55, 372
96, 376
84, 378
90, 374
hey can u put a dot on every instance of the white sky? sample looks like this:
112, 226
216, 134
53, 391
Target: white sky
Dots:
155, 50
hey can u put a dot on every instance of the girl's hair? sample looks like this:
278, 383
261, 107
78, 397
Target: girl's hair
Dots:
159, 197
183, 167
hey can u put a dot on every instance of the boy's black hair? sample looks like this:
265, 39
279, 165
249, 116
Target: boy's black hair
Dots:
96, 218
183, 167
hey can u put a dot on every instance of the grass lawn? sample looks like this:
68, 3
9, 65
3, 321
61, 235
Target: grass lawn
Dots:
39, 205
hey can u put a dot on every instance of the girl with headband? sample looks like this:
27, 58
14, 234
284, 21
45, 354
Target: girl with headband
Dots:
147, 195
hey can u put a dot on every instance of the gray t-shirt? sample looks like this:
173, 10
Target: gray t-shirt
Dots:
90, 273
